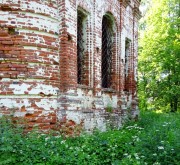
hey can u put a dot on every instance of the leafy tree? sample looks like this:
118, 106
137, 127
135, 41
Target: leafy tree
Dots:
159, 56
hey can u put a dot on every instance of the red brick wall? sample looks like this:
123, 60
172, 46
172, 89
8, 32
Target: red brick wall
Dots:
29, 60
38, 61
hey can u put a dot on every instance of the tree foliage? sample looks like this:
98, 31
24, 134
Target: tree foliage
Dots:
159, 56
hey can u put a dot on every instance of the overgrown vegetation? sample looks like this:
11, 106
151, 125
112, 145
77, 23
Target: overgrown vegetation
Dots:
154, 139
159, 56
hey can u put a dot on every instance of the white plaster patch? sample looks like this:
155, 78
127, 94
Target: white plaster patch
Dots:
101, 123
39, 8
37, 32
40, 72
114, 101
46, 89
129, 100
9, 1
86, 99
55, 58
19, 89
107, 100
19, 114
74, 116
39, 21
70, 12
89, 124
19, 79
29, 110
12, 103
47, 104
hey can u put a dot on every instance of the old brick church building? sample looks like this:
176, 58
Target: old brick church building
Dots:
69, 60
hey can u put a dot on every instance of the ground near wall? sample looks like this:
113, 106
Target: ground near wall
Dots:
154, 139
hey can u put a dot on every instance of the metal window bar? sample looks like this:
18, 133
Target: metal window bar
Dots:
107, 44
126, 67
126, 58
80, 47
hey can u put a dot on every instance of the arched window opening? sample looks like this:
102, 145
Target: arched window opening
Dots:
107, 51
81, 43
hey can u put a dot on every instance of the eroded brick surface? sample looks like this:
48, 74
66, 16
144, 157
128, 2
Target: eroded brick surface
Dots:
38, 62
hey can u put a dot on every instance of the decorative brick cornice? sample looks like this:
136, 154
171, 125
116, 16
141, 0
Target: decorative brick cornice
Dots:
125, 3
137, 12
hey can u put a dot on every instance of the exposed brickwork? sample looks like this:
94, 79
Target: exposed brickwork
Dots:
38, 61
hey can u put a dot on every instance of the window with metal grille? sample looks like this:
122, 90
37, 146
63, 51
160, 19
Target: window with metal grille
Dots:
80, 45
126, 67
107, 45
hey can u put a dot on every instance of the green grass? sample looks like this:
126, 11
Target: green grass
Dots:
154, 139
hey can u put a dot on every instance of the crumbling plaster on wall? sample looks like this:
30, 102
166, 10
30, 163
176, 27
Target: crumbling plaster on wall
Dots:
38, 62
29, 60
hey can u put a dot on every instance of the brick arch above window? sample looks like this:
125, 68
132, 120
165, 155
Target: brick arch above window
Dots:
115, 17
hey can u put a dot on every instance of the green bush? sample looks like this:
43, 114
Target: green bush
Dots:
154, 139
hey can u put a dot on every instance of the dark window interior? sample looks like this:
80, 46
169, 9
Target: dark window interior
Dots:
107, 44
